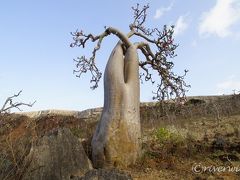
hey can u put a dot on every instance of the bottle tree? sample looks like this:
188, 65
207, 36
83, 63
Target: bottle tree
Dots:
117, 139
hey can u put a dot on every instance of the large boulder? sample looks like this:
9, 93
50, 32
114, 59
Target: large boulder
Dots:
58, 155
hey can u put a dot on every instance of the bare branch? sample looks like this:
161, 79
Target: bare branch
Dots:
157, 46
83, 64
10, 104
170, 85
139, 19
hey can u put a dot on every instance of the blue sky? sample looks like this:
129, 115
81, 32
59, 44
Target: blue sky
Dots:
35, 55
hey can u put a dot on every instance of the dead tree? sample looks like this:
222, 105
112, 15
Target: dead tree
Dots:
9, 104
116, 141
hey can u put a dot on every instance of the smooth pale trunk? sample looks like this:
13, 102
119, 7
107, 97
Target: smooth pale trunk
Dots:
116, 141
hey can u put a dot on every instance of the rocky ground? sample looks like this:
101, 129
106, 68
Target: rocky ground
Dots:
198, 140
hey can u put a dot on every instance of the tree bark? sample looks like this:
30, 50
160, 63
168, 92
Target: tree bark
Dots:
116, 141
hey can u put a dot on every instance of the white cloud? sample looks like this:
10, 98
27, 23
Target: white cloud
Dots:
227, 86
220, 18
181, 25
159, 12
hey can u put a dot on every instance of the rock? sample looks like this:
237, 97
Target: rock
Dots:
104, 174
38, 114
88, 114
58, 155
219, 143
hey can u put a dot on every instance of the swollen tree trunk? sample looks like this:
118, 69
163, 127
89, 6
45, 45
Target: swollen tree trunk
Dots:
116, 141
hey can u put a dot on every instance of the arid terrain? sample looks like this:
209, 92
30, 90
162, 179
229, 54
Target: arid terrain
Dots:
195, 140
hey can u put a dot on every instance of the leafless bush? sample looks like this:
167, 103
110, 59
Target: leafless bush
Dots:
15, 143
214, 107
9, 104
13, 149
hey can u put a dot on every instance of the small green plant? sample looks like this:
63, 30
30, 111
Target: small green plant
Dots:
165, 135
162, 134
77, 132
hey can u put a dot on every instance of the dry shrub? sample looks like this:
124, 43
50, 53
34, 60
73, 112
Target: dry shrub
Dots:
15, 141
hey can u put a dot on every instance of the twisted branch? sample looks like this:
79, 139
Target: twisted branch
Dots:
83, 64
10, 104
157, 47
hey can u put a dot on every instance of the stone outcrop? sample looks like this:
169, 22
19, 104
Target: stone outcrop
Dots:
88, 114
58, 155
95, 113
